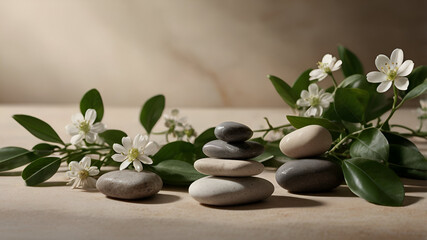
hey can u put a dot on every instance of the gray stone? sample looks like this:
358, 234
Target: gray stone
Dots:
308, 141
222, 191
309, 175
129, 184
233, 132
228, 167
237, 150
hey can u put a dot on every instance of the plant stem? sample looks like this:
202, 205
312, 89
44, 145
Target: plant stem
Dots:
394, 107
333, 79
404, 127
275, 128
345, 139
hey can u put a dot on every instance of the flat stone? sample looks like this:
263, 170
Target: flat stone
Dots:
129, 184
236, 150
308, 141
309, 175
233, 132
228, 167
222, 191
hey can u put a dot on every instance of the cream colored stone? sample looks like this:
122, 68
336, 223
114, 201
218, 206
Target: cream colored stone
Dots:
228, 167
308, 141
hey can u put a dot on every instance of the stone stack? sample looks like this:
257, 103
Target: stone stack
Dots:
231, 180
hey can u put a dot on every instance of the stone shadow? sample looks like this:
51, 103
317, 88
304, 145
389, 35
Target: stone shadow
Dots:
11, 174
159, 198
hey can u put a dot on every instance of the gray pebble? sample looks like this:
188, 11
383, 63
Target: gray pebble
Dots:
129, 184
237, 150
228, 167
233, 132
309, 175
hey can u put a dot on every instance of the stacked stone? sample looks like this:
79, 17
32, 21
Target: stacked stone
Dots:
231, 180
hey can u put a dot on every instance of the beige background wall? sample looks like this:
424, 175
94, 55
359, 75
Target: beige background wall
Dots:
197, 52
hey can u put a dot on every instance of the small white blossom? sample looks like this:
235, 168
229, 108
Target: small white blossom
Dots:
274, 135
391, 70
84, 127
422, 111
328, 65
135, 152
314, 99
81, 174
173, 120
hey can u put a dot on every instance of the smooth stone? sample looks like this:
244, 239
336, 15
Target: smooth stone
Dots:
228, 167
237, 150
309, 175
222, 191
233, 132
308, 141
129, 184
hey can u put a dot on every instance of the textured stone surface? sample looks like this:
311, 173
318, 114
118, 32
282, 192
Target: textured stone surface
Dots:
233, 132
222, 191
228, 167
309, 175
129, 184
308, 141
239, 150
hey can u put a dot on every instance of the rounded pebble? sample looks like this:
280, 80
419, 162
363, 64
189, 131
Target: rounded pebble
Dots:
233, 132
222, 191
228, 167
309, 175
308, 141
236, 150
129, 184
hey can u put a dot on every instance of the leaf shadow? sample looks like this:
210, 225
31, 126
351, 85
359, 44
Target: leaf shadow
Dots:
52, 184
412, 189
414, 182
409, 200
340, 191
10, 174
175, 188
159, 198
274, 201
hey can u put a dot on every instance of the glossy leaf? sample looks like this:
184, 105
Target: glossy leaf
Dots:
175, 172
112, 136
394, 138
350, 63
92, 100
13, 157
373, 182
370, 144
418, 76
151, 112
299, 122
407, 161
351, 104
38, 128
40, 170
416, 91
302, 83
44, 149
205, 137
284, 90
178, 150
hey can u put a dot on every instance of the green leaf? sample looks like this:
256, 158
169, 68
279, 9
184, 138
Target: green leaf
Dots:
175, 172
370, 144
13, 157
301, 83
112, 136
76, 157
40, 170
407, 161
92, 100
416, 91
351, 104
299, 122
417, 77
373, 182
350, 63
151, 112
394, 138
265, 156
44, 149
284, 90
205, 137
38, 128
178, 150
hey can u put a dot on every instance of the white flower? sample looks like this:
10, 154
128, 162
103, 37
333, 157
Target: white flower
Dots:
274, 135
84, 128
314, 99
173, 120
328, 65
391, 70
80, 173
135, 152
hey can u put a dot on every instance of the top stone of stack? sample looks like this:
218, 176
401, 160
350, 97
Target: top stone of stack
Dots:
233, 132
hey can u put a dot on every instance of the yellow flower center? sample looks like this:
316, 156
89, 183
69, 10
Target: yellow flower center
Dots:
314, 101
84, 126
324, 67
83, 174
391, 75
133, 154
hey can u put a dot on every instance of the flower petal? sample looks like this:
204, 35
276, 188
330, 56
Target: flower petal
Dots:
396, 57
119, 148
382, 62
124, 165
316, 74
127, 143
406, 68
151, 148
314, 111
85, 162
90, 183
74, 166
336, 66
303, 103
401, 83
91, 137
71, 174
138, 166
90, 116
313, 89
376, 77
119, 157
384, 86
72, 129
327, 58
305, 94
77, 118
77, 138
93, 171
145, 159
323, 76
98, 127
